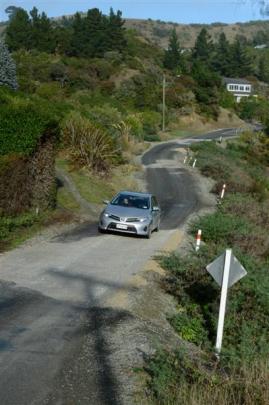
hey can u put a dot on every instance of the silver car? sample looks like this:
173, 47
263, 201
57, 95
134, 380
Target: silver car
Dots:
134, 213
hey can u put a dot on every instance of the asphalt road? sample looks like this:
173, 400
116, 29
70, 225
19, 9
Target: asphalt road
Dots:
46, 287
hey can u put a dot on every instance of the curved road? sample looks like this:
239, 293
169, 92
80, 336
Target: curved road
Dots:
46, 288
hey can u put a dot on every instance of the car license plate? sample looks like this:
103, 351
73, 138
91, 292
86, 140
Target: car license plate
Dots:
120, 226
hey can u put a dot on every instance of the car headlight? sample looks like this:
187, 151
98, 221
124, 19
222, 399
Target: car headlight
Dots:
145, 219
106, 214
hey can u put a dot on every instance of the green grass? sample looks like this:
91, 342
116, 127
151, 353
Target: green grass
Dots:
15, 230
96, 188
92, 188
66, 200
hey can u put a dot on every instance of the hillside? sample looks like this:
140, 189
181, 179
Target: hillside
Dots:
158, 31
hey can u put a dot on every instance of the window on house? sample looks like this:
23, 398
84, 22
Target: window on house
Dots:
231, 87
236, 87
247, 88
241, 88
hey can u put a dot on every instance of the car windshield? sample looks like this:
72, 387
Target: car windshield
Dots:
132, 201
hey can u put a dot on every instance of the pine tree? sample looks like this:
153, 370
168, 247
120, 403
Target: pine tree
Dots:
18, 32
42, 33
7, 68
11, 11
203, 47
222, 60
95, 32
78, 40
115, 32
263, 69
241, 63
173, 57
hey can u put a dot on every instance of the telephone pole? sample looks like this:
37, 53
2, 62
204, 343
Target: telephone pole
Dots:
164, 85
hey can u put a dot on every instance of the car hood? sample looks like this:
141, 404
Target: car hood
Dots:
127, 212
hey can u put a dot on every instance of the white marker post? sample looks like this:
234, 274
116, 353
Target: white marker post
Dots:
185, 159
198, 240
223, 191
223, 300
194, 163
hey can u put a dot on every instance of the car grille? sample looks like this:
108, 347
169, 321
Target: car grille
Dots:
112, 226
132, 220
116, 218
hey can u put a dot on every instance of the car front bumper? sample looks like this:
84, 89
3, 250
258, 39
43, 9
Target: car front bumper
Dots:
135, 228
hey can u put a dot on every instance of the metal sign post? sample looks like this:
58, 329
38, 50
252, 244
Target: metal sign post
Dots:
226, 271
223, 299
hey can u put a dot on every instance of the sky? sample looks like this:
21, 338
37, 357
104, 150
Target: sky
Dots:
180, 11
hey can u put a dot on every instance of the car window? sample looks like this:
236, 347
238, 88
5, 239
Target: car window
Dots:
132, 201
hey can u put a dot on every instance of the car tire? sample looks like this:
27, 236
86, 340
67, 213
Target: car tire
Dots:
100, 230
148, 236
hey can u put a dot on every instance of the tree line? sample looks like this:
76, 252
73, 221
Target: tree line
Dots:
223, 57
86, 36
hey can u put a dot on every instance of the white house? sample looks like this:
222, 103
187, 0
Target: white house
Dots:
238, 87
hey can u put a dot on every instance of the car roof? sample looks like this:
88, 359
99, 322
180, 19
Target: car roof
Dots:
135, 193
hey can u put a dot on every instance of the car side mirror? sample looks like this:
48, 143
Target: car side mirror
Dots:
155, 209
106, 202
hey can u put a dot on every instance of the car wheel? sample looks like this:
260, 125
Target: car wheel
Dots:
100, 230
157, 227
148, 236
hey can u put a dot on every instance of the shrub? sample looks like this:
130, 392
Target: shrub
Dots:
105, 116
89, 144
22, 126
135, 124
50, 91
189, 324
151, 121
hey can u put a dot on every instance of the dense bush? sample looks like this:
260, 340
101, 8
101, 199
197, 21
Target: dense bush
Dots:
22, 126
151, 121
105, 116
89, 144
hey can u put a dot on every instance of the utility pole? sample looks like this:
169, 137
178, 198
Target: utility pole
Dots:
164, 85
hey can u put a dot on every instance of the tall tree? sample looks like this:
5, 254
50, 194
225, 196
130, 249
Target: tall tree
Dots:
263, 68
7, 68
78, 39
222, 59
11, 11
42, 33
173, 58
203, 47
18, 32
241, 63
95, 31
116, 31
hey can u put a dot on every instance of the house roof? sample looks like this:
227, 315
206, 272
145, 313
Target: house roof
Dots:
230, 80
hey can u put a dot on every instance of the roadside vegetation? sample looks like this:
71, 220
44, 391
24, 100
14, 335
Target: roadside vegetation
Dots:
97, 86
193, 375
